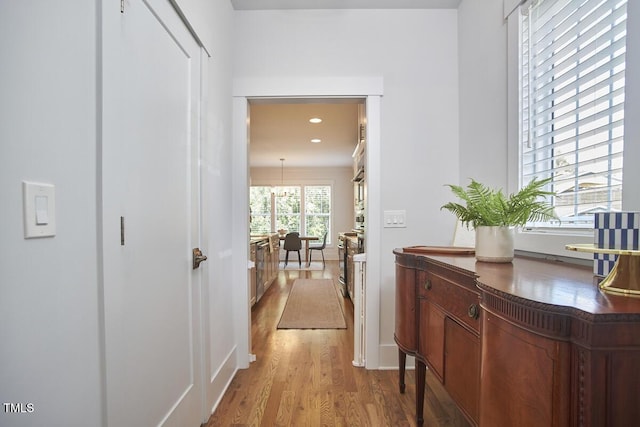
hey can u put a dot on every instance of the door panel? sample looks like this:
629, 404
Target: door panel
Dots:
150, 180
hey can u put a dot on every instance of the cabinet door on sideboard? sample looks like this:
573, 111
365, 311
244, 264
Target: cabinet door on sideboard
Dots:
462, 370
448, 337
529, 370
431, 338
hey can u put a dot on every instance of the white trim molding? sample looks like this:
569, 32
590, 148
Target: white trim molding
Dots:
244, 89
308, 87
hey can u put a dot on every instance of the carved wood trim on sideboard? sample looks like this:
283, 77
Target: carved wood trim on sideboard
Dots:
563, 322
529, 314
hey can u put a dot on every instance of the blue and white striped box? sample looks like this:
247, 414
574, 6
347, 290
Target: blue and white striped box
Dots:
603, 263
614, 230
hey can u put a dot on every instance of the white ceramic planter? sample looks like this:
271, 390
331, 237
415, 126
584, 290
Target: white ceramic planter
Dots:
494, 244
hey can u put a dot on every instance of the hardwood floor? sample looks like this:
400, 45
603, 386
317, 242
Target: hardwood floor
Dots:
306, 378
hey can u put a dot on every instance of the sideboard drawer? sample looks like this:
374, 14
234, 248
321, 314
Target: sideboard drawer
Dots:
458, 301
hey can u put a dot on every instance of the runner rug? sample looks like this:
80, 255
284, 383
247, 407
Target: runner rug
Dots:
312, 304
292, 266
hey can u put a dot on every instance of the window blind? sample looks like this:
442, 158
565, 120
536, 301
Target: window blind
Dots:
317, 200
572, 103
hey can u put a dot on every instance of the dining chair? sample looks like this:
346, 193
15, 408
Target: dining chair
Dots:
292, 243
318, 247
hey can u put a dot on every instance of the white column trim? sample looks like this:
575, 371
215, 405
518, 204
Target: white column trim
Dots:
374, 236
240, 225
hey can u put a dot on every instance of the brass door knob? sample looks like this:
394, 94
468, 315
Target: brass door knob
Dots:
198, 257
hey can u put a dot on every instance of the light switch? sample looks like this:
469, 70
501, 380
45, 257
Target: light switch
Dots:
395, 219
39, 209
42, 210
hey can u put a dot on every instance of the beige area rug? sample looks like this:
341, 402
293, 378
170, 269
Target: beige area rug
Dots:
312, 304
315, 266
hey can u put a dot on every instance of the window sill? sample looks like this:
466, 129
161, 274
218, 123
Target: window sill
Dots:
552, 242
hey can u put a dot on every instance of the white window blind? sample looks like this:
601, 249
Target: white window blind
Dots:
572, 103
317, 200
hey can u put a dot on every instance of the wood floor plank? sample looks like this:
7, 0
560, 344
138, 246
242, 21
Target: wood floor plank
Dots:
285, 409
306, 377
272, 406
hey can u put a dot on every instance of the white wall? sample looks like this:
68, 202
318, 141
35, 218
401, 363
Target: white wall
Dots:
482, 44
49, 335
51, 351
415, 52
340, 180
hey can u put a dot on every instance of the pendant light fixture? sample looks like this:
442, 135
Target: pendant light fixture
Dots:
282, 193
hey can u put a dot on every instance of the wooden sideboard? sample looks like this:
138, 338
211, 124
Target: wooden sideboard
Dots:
528, 343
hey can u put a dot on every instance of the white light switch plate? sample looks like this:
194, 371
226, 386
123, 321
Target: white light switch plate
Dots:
39, 209
395, 219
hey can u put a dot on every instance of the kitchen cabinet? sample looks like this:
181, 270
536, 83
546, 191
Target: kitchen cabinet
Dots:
551, 348
261, 267
274, 256
352, 249
359, 188
252, 274
266, 252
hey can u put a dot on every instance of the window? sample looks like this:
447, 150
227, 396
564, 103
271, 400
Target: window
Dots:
317, 210
572, 75
287, 209
260, 210
276, 208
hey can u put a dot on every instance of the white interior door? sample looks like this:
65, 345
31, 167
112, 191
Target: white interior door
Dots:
151, 98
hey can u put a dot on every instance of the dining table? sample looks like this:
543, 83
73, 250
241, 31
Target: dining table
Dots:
306, 240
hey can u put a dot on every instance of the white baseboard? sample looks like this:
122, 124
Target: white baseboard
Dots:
220, 380
388, 358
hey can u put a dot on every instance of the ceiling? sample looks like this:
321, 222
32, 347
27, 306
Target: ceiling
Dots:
281, 129
344, 4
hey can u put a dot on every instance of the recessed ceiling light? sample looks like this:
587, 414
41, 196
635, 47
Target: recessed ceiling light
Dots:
315, 120
316, 140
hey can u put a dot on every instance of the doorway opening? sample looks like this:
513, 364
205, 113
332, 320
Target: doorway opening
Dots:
317, 138
247, 92
316, 160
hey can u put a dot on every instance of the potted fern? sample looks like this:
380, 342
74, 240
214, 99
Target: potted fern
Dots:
495, 216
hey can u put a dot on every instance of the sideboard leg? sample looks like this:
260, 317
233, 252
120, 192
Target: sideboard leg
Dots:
402, 358
421, 372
